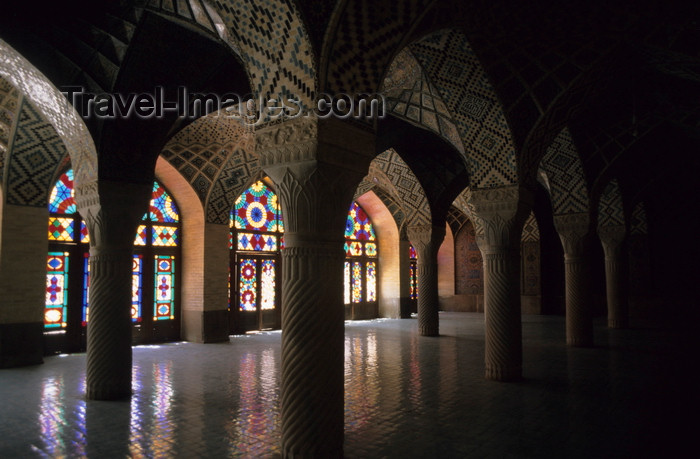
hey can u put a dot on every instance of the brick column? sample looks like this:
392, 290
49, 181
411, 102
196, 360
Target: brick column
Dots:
112, 212
501, 213
426, 239
316, 175
612, 238
574, 232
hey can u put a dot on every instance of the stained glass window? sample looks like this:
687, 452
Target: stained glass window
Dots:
62, 198
248, 287
162, 208
413, 272
360, 251
267, 287
255, 241
257, 209
55, 313
164, 296
154, 261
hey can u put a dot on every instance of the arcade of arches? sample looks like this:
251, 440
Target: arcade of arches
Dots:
532, 160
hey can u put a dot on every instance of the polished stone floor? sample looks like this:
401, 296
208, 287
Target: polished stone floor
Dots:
407, 396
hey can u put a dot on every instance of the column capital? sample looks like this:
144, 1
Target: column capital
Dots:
111, 211
302, 139
612, 237
500, 214
573, 231
425, 237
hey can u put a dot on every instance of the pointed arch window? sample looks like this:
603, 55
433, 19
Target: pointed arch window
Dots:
256, 237
360, 275
154, 276
413, 272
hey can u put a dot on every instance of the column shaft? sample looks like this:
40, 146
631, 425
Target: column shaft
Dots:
112, 212
426, 240
574, 232
612, 238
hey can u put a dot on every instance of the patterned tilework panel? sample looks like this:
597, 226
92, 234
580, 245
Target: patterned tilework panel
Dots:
200, 151
423, 106
454, 69
610, 210
531, 232
409, 190
567, 184
37, 150
531, 273
318, 17
55, 107
638, 223
233, 179
274, 45
377, 181
9, 103
365, 41
461, 271
403, 73
456, 219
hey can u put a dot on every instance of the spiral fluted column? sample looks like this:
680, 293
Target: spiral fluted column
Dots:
426, 239
112, 212
574, 232
500, 215
612, 238
315, 194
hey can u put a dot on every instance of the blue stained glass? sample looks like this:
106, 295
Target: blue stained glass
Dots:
358, 226
257, 209
162, 208
62, 198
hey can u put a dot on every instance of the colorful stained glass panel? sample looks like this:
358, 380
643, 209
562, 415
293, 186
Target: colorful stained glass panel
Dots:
136, 287
267, 285
164, 293
346, 283
371, 278
412, 252
162, 207
358, 226
62, 198
371, 249
247, 285
140, 235
84, 236
256, 209
413, 292
86, 288
165, 236
257, 242
356, 282
61, 229
56, 290
353, 249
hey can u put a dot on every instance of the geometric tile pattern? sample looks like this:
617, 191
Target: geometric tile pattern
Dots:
46, 98
454, 69
9, 102
389, 200
36, 152
638, 221
235, 176
456, 219
408, 188
531, 232
364, 41
610, 209
201, 150
412, 98
274, 45
561, 165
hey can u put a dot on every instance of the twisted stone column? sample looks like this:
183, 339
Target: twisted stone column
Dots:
315, 195
426, 239
574, 230
112, 212
612, 238
500, 214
